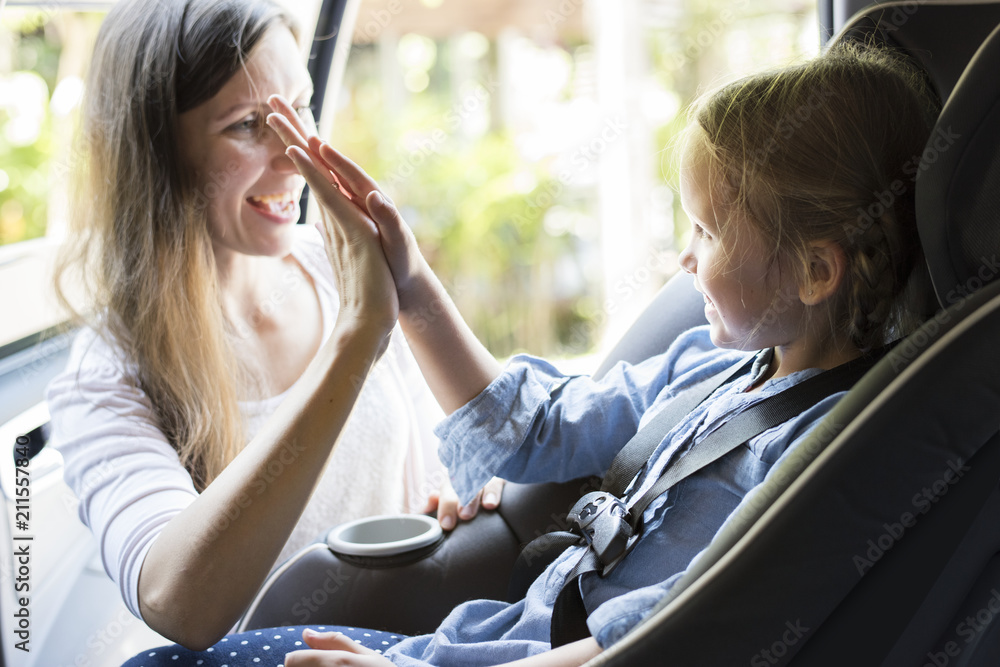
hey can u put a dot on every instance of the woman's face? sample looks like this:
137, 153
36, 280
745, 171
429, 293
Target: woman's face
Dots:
747, 304
250, 187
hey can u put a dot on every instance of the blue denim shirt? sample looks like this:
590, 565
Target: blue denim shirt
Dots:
533, 424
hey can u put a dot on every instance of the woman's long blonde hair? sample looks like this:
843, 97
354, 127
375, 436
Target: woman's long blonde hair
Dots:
139, 243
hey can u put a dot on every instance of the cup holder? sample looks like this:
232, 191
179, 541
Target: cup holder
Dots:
385, 536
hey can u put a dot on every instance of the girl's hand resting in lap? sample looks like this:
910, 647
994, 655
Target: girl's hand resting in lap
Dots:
332, 649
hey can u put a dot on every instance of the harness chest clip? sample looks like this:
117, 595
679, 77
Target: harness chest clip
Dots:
602, 520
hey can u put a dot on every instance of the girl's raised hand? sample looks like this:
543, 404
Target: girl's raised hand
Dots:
352, 239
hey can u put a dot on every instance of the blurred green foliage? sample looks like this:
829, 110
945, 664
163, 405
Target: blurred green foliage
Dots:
33, 63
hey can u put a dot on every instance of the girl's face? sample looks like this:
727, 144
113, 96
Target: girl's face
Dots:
250, 187
747, 304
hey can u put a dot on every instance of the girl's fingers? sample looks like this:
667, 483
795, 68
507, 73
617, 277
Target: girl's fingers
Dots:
333, 641
356, 177
329, 196
315, 658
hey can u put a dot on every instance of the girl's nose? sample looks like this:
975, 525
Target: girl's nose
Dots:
687, 260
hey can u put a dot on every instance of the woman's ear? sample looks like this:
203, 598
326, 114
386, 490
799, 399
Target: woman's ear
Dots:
827, 267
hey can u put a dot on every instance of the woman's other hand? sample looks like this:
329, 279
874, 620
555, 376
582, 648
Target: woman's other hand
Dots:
449, 511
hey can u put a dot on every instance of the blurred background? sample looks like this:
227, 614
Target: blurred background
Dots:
528, 142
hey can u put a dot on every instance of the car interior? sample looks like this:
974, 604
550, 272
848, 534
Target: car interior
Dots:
877, 543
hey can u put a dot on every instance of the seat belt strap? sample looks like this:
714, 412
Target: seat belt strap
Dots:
636, 452
768, 413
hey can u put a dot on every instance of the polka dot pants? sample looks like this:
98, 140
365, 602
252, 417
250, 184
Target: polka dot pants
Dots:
256, 648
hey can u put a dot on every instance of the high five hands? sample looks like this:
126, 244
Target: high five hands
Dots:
374, 255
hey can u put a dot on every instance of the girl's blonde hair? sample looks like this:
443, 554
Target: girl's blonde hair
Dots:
140, 244
829, 150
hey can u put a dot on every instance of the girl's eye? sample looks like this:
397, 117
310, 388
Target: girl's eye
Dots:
700, 232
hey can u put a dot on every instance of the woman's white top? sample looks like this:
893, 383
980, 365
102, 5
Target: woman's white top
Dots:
130, 482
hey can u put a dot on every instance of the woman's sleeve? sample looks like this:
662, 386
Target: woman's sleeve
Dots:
534, 424
127, 477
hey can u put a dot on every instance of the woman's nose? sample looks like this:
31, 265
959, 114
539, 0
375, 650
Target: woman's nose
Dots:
280, 162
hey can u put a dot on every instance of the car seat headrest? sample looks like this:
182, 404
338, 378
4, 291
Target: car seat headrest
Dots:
958, 183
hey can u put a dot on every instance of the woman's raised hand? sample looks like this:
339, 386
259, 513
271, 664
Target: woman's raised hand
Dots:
455, 364
398, 243
351, 237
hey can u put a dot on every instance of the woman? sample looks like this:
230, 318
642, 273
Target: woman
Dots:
215, 415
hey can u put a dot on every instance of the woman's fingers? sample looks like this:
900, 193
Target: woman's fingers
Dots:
281, 106
325, 190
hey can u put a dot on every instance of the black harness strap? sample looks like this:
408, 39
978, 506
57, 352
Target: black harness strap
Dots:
631, 458
569, 616
636, 452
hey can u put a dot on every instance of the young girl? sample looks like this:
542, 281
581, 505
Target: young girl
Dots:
775, 170
210, 418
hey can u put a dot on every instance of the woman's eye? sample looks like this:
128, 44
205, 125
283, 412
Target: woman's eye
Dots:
246, 124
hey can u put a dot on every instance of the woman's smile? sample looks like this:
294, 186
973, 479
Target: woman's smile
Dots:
281, 207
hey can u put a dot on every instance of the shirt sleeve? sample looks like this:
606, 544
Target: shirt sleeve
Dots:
534, 424
616, 617
127, 477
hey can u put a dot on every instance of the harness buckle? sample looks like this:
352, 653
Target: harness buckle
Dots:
602, 520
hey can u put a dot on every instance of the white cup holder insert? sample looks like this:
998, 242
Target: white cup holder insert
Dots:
384, 535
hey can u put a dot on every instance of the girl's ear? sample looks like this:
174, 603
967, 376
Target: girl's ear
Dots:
827, 267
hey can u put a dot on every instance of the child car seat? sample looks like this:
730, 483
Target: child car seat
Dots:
884, 548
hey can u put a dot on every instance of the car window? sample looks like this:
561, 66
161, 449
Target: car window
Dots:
530, 145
